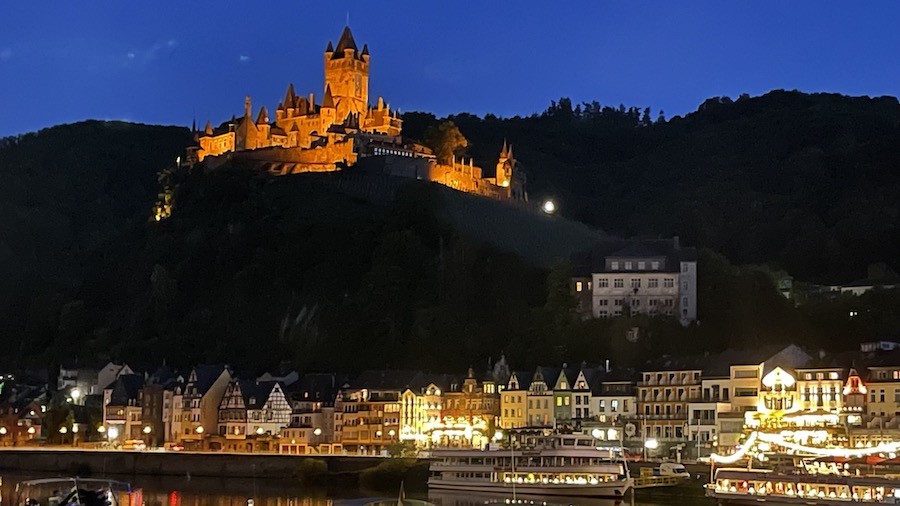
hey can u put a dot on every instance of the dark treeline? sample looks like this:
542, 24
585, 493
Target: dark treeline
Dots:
265, 272
806, 183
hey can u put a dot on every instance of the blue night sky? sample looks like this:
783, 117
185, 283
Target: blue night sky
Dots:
166, 62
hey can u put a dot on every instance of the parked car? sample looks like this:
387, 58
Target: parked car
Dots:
135, 445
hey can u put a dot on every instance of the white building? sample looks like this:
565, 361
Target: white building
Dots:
654, 277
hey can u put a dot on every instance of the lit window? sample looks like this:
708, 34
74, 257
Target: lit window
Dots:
578, 286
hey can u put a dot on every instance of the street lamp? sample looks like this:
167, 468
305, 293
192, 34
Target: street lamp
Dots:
76, 394
199, 430
101, 429
259, 431
549, 206
498, 435
63, 430
147, 429
3, 431
113, 432
317, 432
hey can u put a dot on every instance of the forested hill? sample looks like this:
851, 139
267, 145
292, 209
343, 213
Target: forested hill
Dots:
255, 270
807, 182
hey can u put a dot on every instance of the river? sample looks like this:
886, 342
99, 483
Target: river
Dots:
183, 491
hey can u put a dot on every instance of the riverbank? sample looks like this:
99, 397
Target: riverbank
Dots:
159, 463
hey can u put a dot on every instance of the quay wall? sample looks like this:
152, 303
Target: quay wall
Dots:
223, 465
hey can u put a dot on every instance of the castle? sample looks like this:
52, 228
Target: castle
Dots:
342, 131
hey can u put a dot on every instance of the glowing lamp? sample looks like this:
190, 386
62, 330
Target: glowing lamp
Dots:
147, 429
549, 206
318, 432
651, 444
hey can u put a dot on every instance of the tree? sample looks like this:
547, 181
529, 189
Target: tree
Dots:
446, 140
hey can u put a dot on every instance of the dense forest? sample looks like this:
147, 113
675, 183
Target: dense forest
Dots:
263, 272
807, 183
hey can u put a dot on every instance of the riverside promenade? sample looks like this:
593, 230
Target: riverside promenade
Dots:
74, 461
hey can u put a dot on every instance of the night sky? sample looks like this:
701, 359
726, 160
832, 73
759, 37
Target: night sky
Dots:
167, 62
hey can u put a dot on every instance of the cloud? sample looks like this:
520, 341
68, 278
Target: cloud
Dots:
156, 50
5, 54
243, 58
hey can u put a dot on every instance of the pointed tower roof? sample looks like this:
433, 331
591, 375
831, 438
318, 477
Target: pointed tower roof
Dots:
328, 101
509, 153
330, 48
263, 116
346, 42
208, 130
289, 96
504, 151
365, 50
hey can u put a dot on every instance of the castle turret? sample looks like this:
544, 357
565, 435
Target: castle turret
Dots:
505, 166
347, 72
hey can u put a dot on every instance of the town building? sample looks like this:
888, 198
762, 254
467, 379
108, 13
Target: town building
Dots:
200, 399
122, 414
370, 408
657, 277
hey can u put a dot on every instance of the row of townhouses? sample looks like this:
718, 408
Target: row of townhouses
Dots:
687, 405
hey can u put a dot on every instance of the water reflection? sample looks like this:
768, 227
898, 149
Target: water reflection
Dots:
184, 491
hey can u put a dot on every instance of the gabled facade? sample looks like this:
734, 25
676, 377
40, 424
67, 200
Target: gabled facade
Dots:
201, 396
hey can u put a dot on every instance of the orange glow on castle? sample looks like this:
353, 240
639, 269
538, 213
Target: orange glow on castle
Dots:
341, 131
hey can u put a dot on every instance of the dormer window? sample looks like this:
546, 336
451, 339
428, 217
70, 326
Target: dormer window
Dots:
628, 266
614, 266
642, 266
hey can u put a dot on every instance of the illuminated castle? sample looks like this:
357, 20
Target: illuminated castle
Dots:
343, 130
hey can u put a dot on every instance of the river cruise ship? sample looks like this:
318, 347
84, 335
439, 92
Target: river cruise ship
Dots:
554, 465
761, 486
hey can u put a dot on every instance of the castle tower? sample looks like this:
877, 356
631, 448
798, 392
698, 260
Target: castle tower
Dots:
505, 166
347, 75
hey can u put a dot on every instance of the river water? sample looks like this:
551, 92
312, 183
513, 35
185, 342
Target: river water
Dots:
183, 491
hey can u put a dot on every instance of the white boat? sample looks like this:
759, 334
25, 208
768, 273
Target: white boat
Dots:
76, 492
761, 486
555, 465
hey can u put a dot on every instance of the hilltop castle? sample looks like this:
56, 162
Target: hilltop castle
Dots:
344, 130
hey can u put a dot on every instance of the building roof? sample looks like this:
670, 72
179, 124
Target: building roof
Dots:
398, 380
346, 42
256, 393
207, 375
125, 389
592, 261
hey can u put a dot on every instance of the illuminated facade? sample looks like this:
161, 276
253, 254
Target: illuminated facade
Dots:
341, 129
652, 277
662, 402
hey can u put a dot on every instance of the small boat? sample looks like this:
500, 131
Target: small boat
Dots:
554, 465
76, 492
765, 486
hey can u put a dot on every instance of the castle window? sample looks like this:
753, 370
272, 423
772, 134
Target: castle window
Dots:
642, 266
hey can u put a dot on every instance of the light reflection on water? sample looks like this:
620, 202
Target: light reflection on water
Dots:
182, 491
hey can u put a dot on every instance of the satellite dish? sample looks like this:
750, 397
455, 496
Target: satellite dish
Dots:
630, 429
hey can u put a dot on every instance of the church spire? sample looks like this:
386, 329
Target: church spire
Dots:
248, 107
504, 151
